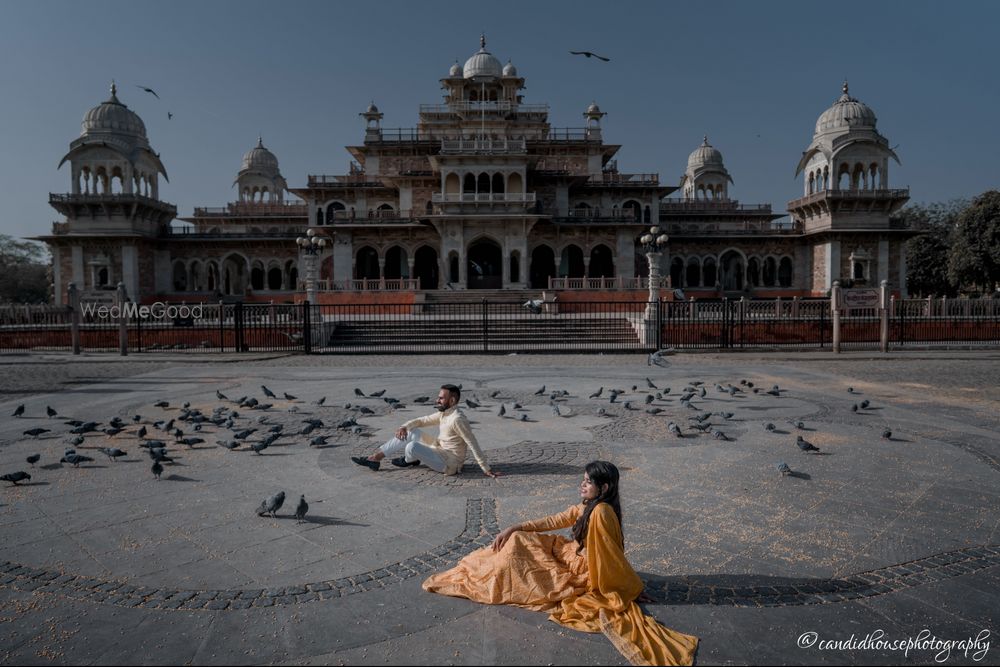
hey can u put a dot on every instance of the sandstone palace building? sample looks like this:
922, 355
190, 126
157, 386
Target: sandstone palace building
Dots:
483, 194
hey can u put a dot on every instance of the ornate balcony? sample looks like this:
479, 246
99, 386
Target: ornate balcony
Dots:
483, 147
244, 209
467, 202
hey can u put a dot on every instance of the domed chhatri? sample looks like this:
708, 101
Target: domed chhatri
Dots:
509, 69
706, 176
483, 65
455, 70
846, 113
259, 178
259, 158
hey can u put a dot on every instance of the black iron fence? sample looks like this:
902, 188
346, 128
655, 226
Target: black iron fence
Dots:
497, 327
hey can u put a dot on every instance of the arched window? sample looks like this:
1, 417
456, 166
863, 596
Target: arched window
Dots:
257, 276
515, 267
636, 209
498, 184
769, 274
708, 272
693, 277
274, 278
677, 272
785, 272
646, 214
543, 261
602, 264
395, 263
571, 262
811, 184
366, 264
753, 272
483, 184
332, 212
180, 277
844, 177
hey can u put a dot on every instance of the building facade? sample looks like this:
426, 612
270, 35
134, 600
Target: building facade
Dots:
482, 194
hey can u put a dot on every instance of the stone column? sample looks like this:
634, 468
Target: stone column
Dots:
130, 271
78, 277
883, 260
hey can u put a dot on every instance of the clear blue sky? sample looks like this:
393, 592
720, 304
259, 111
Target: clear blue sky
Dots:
754, 76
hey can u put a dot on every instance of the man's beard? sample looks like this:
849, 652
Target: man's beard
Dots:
441, 407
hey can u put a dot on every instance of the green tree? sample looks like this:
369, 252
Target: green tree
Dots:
927, 254
974, 258
24, 271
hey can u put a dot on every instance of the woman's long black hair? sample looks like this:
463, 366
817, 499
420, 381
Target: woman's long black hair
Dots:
600, 473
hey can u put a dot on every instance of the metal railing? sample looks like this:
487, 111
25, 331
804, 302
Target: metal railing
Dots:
624, 179
699, 205
353, 180
732, 228
407, 325
882, 194
292, 209
613, 283
365, 285
500, 106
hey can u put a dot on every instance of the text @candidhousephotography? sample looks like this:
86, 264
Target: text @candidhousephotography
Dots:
971, 647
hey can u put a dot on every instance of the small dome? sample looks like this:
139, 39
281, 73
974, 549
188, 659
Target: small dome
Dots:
372, 108
260, 159
113, 116
593, 108
456, 70
846, 112
704, 156
482, 64
509, 69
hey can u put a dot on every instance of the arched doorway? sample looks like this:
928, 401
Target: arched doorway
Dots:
602, 264
732, 271
484, 269
233, 275
425, 267
543, 267
396, 266
571, 262
366, 265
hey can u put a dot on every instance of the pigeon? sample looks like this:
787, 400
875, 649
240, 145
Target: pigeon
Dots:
597, 394
628, 406
244, 434
228, 444
358, 392
15, 477
148, 90
307, 429
769, 426
805, 445
112, 453
161, 404
613, 395
69, 452
865, 404
141, 433
318, 440
347, 423
540, 391
725, 415
854, 408
258, 447
18, 411
471, 403
517, 406
783, 468
601, 412
654, 411
649, 383
377, 394
219, 395
268, 392
35, 432
675, 429
112, 431
649, 399
850, 390
719, 435
656, 358
157, 469
502, 411
272, 504
301, 509
421, 399
289, 397
75, 459
524, 417
321, 401
702, 392
33, 459
190, 442
50, 412
886, 434
701, 427
495, 393
590, 55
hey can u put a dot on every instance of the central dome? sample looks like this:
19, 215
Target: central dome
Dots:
482, 65
845, 113
259, 158
704, 155
113, 116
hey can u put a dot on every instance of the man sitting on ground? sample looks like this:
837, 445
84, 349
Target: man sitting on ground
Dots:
446, 454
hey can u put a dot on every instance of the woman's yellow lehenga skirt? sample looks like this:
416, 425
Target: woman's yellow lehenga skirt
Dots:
544, 572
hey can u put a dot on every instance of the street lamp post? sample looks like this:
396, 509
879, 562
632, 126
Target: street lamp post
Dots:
653, 242
312, 245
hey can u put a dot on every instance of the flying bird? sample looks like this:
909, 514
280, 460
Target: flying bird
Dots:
590, 54
148, 90
169, 115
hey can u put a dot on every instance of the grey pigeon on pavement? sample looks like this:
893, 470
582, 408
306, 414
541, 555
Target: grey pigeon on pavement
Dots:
783, 468
654, 411
75, 459
886, 434
805, 445
219, 395
854, 408
161, 404
272, 504
719, 435
541, 390
377, 394
289, 397
649, 383
769, 426
50, 412
18, 411
33, 459
258, 447
228, 444
502, 411
865, 404
35, 432
157, 469
597, 394
268, 392
358, 392
15, 477
301, 509
112, 453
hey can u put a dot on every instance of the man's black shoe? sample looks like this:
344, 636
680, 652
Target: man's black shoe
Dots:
401, 462
372, 465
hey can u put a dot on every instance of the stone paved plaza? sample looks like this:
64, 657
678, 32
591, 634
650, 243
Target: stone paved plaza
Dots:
105, 564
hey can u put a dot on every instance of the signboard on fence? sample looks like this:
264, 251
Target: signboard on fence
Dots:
99, 297
860, 298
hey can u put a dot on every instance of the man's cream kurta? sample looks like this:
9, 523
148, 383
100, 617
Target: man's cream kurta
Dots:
454, 437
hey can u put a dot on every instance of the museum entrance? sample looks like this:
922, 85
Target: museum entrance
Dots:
425, 267
485, 265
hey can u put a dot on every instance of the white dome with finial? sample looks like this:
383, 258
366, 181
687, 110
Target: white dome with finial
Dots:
260, 159
705, 155
509, 69
483, 65
845, 113
111, 116
456, 70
